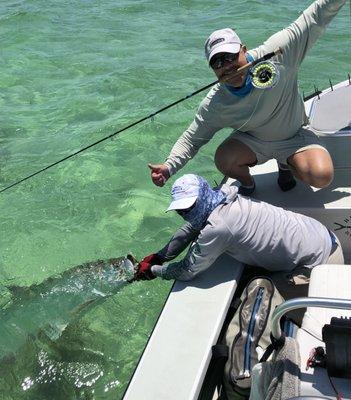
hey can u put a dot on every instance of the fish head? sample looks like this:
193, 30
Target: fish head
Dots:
127, 262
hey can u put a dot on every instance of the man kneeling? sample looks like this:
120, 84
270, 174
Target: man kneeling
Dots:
252, 231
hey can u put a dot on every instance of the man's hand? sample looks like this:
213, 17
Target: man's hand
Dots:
144, 267
159, 174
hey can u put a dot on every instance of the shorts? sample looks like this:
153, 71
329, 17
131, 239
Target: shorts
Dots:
281, 150
296, 282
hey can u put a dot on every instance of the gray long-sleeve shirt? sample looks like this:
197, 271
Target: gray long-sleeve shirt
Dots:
271, 114
251, 231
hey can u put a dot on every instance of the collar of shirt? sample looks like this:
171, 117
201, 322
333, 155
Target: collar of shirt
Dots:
246, 89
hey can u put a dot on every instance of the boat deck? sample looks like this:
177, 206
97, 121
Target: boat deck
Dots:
178, 353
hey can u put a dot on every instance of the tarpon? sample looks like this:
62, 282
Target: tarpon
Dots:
47, 308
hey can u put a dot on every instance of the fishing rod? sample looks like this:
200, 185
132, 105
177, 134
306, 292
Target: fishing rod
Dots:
263, 75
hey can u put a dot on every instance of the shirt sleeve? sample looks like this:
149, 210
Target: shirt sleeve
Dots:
210, 244
301, 35
179, 242
200, 131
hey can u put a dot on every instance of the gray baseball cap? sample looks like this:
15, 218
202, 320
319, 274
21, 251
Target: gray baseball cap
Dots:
185, 191
222, 41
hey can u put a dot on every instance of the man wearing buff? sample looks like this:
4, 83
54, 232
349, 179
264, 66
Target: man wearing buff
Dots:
253, 232
267, 123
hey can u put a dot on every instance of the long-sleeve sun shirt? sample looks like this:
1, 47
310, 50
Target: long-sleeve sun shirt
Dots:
270, 114
251, 231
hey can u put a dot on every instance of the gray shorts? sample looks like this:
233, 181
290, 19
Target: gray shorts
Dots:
296, 282
281, 150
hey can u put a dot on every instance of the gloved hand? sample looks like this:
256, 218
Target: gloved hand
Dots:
144, 267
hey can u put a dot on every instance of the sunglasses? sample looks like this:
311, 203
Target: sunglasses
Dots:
219, 60
185, 211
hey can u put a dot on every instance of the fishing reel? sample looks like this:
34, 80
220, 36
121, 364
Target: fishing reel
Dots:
264, 75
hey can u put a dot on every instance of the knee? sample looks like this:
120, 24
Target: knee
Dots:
223, 160
232, 155
314, 168
323, 179
320, 177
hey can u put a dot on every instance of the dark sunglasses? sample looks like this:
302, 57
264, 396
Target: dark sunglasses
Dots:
219, 60
185, 211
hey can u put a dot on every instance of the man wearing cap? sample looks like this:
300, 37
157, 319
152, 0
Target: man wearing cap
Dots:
266, 124
253, 232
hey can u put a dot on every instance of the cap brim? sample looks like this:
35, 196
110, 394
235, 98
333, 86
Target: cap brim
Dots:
182, 204
225, 48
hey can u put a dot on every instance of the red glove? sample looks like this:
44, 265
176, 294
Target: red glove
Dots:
144, 267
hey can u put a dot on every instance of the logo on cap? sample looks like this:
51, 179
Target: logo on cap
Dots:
216, 42
177, 189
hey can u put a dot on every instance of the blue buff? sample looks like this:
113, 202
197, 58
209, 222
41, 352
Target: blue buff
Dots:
246, 89
208, 199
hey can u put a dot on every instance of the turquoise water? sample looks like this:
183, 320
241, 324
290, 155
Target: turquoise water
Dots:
72, 72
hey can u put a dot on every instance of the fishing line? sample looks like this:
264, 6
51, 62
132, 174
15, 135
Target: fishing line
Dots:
150, 116
250, 117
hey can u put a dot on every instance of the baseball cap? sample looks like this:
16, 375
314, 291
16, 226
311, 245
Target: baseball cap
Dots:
185, 191
222, 41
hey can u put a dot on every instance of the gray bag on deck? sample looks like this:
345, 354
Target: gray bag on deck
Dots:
248, 335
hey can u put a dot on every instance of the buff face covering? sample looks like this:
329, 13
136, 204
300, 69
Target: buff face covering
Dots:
206, 202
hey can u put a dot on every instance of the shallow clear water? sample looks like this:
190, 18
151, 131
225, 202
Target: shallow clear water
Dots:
72, 72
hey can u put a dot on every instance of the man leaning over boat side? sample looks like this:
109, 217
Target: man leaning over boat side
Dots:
251, 231
266, 124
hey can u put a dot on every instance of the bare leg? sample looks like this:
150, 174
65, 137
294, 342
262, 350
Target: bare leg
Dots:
233, 158
313, 166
